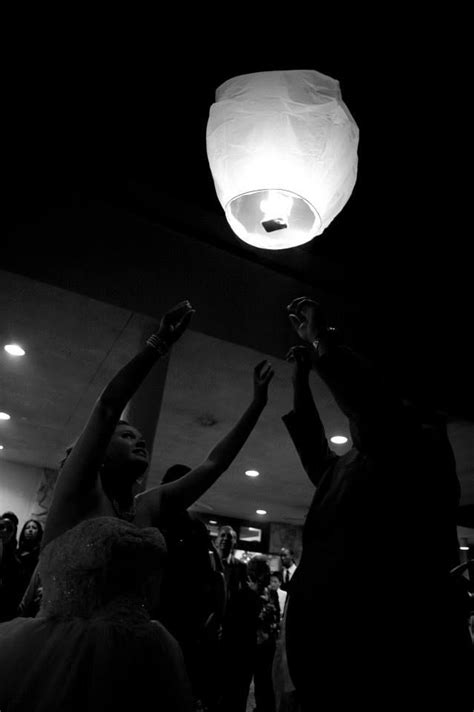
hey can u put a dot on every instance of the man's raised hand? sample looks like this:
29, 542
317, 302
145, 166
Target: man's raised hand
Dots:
301, 356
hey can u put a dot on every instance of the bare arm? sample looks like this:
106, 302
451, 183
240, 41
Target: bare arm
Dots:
77, 487
159, 502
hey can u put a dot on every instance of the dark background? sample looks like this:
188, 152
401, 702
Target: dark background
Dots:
104, 128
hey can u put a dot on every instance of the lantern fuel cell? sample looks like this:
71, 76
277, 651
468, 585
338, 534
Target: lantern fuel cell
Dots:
276, 204
272, 225
282, 148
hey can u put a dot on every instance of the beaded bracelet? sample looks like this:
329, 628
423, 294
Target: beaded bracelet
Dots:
159, 344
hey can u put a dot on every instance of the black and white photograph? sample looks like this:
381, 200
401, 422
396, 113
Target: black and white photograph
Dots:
236, 361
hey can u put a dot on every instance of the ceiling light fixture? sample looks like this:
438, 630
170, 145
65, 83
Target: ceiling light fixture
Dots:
282, 149
260, 511
14, 350
252, 473
338, 439
4, 416
1, 447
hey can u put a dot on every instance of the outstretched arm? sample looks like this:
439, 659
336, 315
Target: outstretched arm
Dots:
361, 393
77, 484
303, 423
158, 503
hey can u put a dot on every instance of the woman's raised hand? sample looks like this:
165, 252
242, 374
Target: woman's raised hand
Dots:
175, 322
262, 375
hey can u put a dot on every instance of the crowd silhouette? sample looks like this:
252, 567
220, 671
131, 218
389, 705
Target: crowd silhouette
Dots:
126, 602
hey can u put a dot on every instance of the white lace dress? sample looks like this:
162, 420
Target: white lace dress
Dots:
92, 646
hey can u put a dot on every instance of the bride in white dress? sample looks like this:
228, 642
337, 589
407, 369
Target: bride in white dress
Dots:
92, 646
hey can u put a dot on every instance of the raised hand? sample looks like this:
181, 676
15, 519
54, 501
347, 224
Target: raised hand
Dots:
301, 356
175, 322
262, 375
307, 318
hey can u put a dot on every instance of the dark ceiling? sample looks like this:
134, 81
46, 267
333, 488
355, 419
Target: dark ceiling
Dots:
120, 133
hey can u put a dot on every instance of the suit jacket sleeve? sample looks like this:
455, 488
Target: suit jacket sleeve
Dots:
307, 432
365, 398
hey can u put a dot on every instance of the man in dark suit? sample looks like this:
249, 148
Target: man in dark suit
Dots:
239, 628
371, 622
288, 564
235, 571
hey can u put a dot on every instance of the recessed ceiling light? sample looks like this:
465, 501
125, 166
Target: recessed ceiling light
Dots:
1, 447
260, 511
339, 439
4, 416
252, 473
464, 548
14, 350
212, 521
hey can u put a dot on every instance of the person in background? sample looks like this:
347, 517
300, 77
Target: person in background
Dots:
267, 633
31, 601
234, 669
193, 596
235, 571
288, 563
286, 699
283, 687
10, 571
29, 549
11, 516
278, 596
249, 630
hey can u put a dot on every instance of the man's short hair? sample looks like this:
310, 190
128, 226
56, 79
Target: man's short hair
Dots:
12, 517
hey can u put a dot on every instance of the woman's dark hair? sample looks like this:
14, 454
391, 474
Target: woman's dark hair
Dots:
258, 569
277, 575
24, 543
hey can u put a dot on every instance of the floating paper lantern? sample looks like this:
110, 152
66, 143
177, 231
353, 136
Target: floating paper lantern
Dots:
282, 148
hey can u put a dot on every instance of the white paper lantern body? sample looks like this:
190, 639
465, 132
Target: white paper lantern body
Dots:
282, 149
